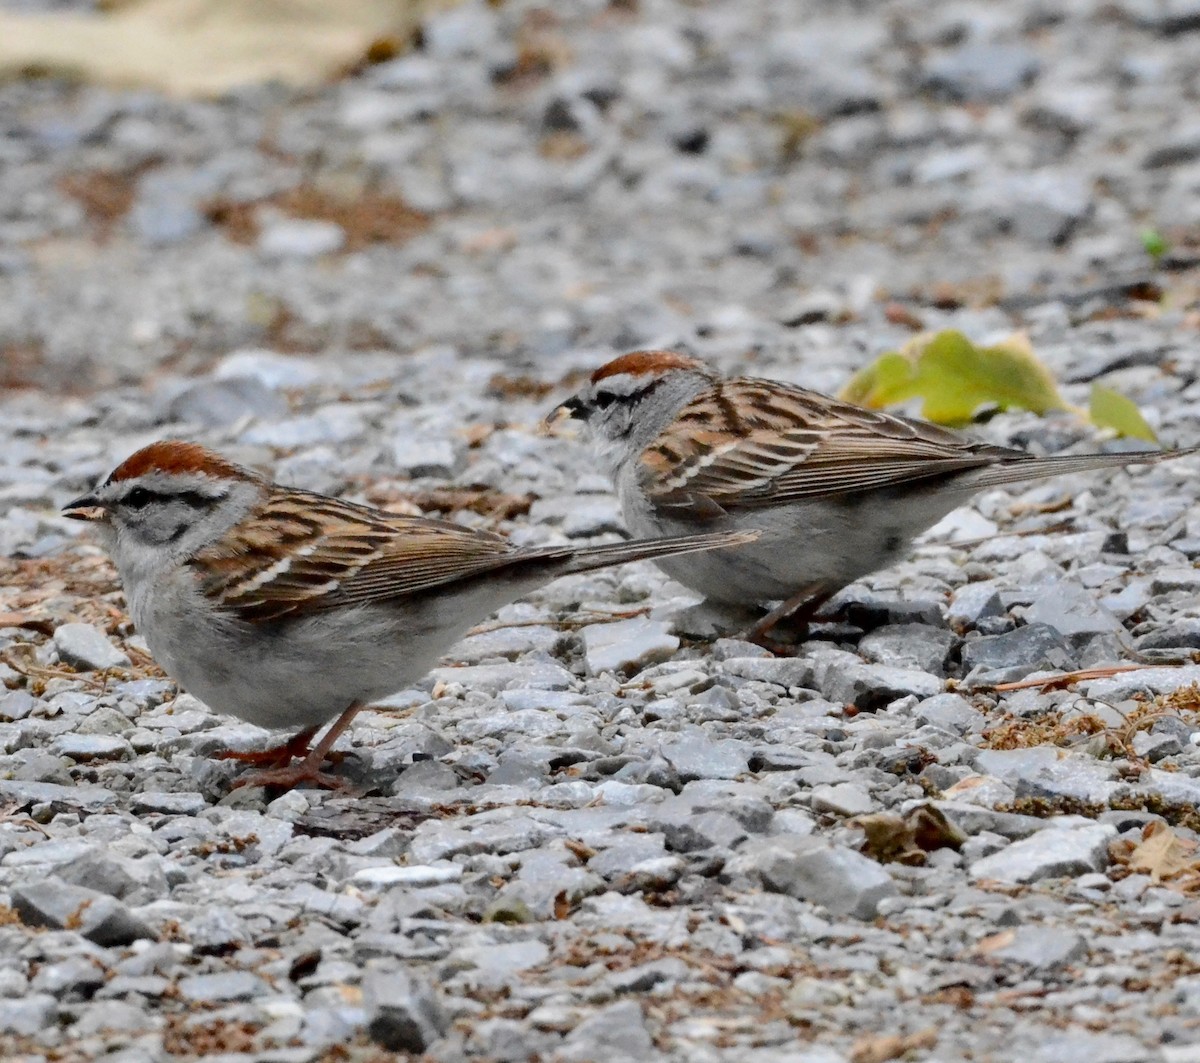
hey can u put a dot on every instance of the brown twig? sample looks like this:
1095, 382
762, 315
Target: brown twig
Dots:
1054, 682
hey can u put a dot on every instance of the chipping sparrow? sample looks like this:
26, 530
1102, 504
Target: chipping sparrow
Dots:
837, 490
287, 608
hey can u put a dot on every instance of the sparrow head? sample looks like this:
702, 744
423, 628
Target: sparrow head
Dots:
634, 397
169, 493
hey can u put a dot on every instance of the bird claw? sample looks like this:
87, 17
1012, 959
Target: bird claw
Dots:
274, 757
292, 775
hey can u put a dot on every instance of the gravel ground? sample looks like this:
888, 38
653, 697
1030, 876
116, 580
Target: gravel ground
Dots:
601, 831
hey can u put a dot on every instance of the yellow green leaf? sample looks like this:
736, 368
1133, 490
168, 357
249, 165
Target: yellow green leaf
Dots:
955, 378
1109, 409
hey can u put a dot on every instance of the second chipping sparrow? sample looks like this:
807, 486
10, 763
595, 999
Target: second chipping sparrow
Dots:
837, 490
289, 608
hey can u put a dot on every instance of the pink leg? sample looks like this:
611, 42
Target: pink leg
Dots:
802, 606
309, 769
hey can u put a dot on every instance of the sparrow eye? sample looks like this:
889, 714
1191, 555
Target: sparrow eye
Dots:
138, 498
605, 399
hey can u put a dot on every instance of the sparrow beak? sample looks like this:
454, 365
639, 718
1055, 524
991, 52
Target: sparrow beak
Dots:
554, 421
85, 507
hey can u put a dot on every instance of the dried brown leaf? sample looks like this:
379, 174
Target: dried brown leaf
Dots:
1163, 854
906, 839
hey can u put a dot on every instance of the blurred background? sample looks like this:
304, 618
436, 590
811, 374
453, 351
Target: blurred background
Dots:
182, 179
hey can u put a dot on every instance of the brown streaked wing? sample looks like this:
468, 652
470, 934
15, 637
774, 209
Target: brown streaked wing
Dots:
754, 443
319, 553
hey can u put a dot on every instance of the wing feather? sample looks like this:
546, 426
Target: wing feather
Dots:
749, 443
313, 553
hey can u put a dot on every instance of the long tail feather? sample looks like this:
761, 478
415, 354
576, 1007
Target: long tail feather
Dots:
593, 557
1006, 472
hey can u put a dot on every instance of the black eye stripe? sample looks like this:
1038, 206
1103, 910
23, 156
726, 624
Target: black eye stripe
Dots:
604, 399
141, 497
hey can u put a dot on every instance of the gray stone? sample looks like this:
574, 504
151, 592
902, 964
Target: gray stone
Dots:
470, 29
1168, 17
625, 851
537, 675
842, 799
811, 869
1175, 578
1180, 146
511, 1041
952, 165
88, 747
403, 1011
615, 1034
980, 845
703, 830
28, 1016
216, 929
1042, 771
222, 987
17, 704
950, 712
646, 976
413, 875
1050, 853
224, 402
330, 424
870, 687
1170, 785
1071, 610
627, 645
416, 456
1182, 633
86, 648
170, 804
113, 1017
981, 72
1016, 653
166, 210
300, 238
497, 962
62, 905
975, 819
916, 646
696, 756
545, 875
86, 798
972, 603
1154, 747
1140, 681
117, 876
508, 642
1042, 948
73, 979
707, 621
1080, 1046
1013, 765
870, 611
656, 874
585, 519
1042, 206
272, 369
789, 672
